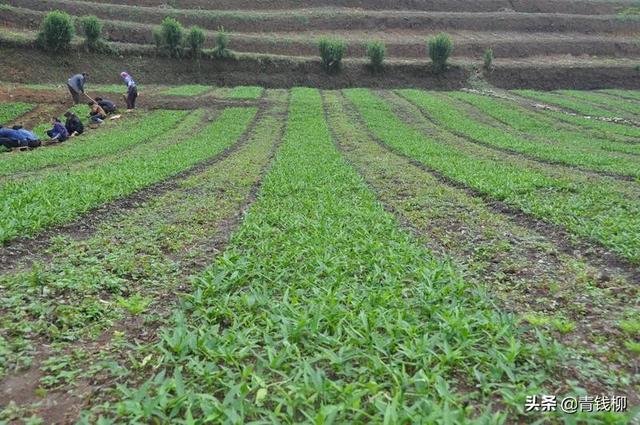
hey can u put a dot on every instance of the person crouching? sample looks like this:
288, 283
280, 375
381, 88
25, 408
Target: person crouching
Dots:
97, 114
73, 124
108, 106
58, 133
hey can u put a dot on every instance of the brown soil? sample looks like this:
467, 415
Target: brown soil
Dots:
26, 65
485, 119
459, 232
23, 251
59, 100
64, 405
529, 6
567, 243
401, 43
268, 72
349, 19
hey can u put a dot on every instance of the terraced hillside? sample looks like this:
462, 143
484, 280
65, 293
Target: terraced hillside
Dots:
595, 34
356, 256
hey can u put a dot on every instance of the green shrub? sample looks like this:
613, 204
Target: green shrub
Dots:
440, 48
56, 31
169, 36
221, 49
157, 38
332, 51
195, 40
92, 30
376, 51
488, 59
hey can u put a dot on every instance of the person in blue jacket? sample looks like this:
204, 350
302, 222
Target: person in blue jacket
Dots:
31, 139
58, 132
17, 137
10, 138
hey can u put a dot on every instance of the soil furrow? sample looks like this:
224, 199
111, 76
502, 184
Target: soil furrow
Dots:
215, 182
76, 164
515, 153
567, 243
525, 268
24, 250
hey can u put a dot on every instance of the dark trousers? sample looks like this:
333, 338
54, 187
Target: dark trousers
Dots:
132, 95
53, 134
9, 143
74, 94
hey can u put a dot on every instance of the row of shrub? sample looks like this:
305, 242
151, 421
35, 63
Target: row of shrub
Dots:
439, 48
172, 38
332, 51
58, 29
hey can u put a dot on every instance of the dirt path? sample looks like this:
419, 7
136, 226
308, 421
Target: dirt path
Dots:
150, 102
180, 231
528, 268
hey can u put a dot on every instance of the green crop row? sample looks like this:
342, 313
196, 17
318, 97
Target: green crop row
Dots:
626, 94
246, 92
452, 117
131, 261
565, 143
564, 102
323, 309
113, 137
608, 130
11, 111
30, 205
616, 105
587, 207
187, 90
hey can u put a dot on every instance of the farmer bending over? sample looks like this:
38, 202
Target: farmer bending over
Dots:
132, 91
76, 86
97, 114
73, 125
108, 106
58, 132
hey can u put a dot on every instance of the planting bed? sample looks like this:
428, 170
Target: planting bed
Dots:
298, 256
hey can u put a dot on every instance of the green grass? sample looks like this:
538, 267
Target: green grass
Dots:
11, 111
187, 90
323, 310
588, 208
36, 203
568, 103
603, 129
246, 92
128, 265
612, 103
541, 139
112, 137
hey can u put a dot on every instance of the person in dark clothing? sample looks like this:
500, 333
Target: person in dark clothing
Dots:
58, 132
18, 137
10, 138
132, 90
28, 138
76, 86
73, 124
108, 106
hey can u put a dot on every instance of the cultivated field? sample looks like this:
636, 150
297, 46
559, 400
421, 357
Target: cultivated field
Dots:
355, 256
514, 29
